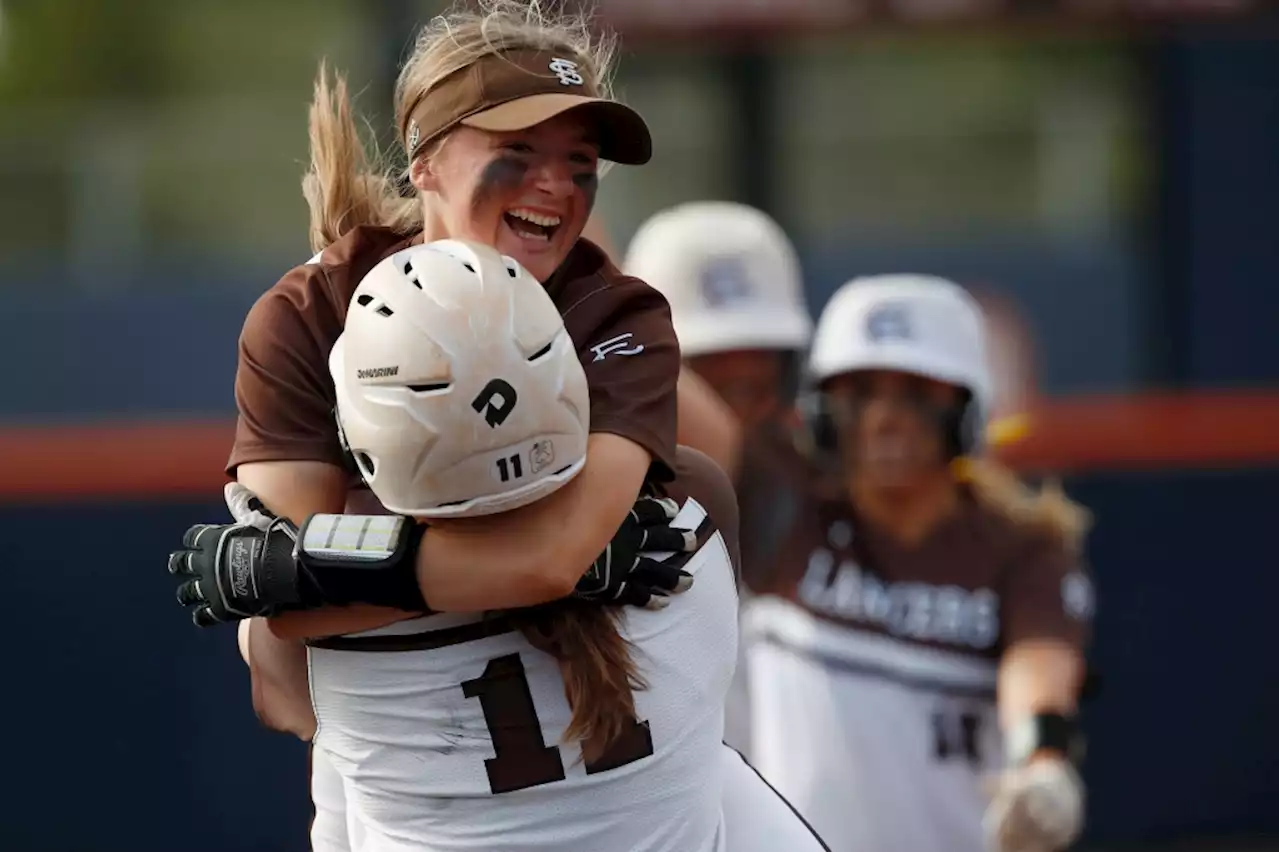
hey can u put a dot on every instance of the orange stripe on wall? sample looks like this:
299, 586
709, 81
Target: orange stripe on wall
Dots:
117, 460
1196, 430
1204, 429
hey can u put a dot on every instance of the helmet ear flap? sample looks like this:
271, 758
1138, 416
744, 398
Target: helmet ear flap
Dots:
818, 436
964, 427
969, 431
792, 364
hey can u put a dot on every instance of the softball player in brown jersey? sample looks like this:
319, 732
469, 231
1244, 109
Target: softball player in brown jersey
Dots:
734, 284
921, 629
504, 115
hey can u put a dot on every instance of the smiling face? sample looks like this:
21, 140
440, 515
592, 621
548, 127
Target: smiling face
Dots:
527, 193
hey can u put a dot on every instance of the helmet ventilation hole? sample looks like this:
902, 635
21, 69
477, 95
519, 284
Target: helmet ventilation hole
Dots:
411, 275
366, 464
432, 387
364, 300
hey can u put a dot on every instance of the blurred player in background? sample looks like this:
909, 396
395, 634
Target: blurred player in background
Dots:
920, 633
734, 283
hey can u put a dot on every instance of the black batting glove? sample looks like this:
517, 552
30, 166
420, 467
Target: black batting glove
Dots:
623, 575
237, 571
262, 565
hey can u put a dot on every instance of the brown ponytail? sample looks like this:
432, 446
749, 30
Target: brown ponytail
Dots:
600, 678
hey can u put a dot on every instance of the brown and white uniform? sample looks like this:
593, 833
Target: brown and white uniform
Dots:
406, 747
872, 667
448, 731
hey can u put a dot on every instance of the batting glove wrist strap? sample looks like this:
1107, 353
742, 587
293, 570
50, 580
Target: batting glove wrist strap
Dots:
346, 559
264, 565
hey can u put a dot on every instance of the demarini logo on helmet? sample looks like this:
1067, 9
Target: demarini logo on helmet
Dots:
495, 401
377, 372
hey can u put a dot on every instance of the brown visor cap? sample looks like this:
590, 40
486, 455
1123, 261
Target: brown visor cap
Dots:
516, 89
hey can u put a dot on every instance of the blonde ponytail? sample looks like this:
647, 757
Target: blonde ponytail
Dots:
343, 188
1048, 509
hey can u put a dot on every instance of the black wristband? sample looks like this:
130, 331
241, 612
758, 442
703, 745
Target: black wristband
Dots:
280, 577
1045, 731
346, 559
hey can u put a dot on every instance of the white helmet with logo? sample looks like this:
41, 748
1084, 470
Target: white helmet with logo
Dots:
917, 324
459, 391
730, 274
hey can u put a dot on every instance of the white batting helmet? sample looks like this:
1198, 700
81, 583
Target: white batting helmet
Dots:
917, 324
459, 391
730, 274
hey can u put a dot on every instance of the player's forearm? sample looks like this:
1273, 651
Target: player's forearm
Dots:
1038, 676
473, 567
333, 621
537, 553
278, 673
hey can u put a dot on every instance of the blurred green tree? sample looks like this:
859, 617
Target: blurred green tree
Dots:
132, 126
64, 49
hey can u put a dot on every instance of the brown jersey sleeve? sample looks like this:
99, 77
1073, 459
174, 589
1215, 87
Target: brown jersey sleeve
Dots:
283, 390
1048, 594
629, 352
